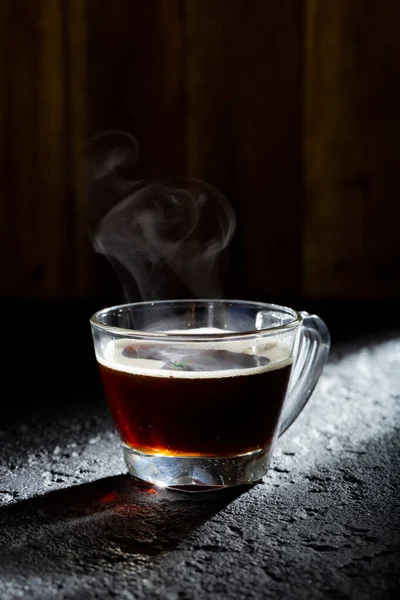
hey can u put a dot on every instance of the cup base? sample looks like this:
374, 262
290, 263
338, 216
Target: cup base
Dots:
196, 473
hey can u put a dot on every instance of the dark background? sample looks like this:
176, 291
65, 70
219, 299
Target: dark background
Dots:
290, 108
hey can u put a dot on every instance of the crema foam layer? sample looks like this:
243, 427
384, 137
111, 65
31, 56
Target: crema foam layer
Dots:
276, 351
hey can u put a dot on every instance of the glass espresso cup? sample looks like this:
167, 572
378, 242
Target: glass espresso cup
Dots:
200, 390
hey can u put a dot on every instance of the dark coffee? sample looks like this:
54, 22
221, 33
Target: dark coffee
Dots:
211, 403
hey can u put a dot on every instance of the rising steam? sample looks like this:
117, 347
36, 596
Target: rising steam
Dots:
155, 233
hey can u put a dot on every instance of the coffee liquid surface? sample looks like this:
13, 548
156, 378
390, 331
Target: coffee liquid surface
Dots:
196, 399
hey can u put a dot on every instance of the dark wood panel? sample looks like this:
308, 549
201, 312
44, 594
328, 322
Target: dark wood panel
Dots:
211, 91
80, 258
289, 108
135, 77
263, 47
33, 152
351, 245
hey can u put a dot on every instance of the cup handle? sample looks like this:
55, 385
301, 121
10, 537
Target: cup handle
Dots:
312, 354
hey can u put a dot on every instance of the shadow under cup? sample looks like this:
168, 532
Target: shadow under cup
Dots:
196, 388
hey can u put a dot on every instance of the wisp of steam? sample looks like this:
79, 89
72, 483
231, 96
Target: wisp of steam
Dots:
159, 236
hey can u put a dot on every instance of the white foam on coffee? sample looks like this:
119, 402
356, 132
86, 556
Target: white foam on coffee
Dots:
277, 351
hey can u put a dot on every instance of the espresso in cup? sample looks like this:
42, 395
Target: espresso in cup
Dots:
199, 390
200, 399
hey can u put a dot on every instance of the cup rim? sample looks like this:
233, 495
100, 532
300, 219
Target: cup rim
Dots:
199, 337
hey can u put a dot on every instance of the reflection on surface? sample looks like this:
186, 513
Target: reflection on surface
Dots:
113, 514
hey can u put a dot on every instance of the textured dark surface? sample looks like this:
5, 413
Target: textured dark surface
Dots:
325, 522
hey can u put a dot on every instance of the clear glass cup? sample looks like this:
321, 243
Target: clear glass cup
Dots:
200, 390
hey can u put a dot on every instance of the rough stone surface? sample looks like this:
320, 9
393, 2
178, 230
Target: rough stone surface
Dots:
325, 523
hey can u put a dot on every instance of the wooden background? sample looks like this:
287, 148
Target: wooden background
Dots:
290, 107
